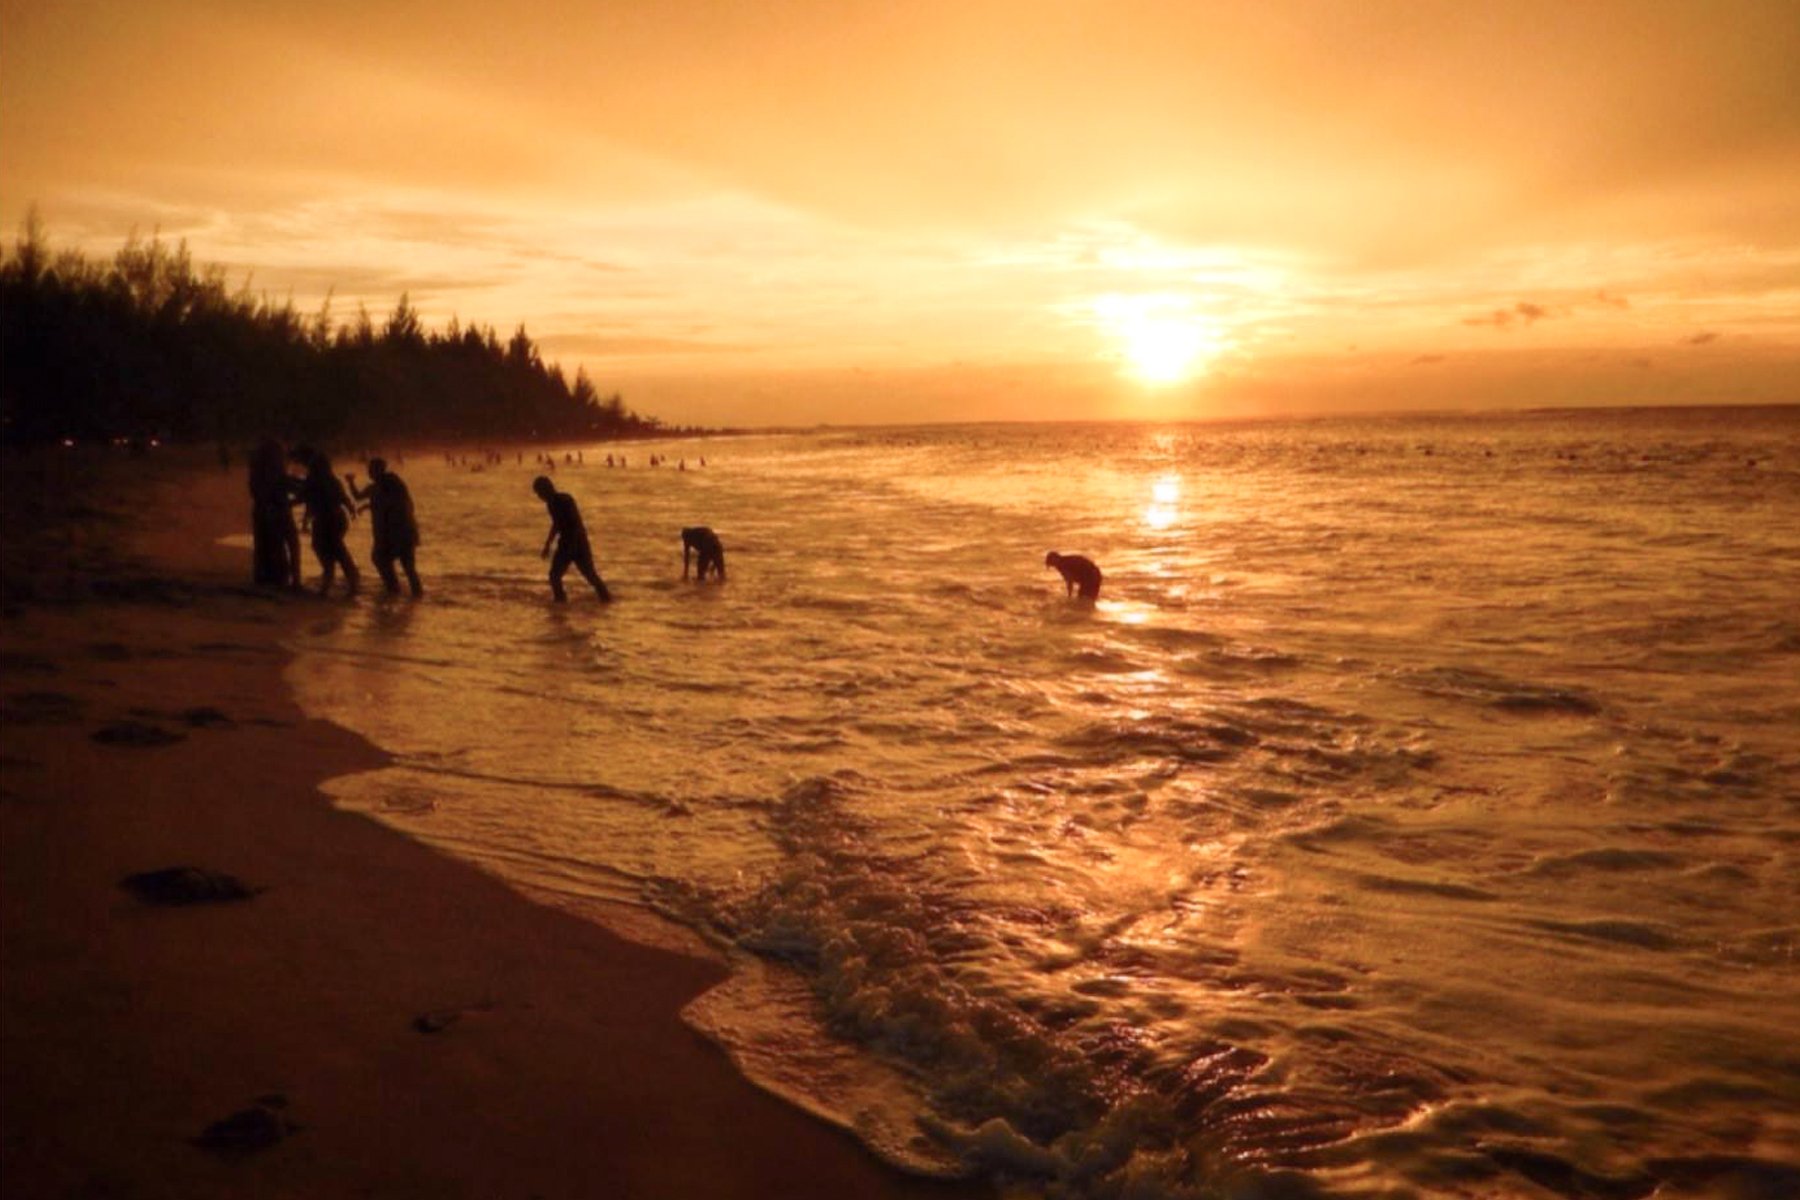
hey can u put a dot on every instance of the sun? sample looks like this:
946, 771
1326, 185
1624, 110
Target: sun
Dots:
1163, 350
1160, 337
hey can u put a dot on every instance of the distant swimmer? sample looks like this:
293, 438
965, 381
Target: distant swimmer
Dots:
1080, 575
570, 538
396, 529
704, 543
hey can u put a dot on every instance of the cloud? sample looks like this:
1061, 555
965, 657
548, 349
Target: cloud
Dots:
581, 345
1529, 312
1524, 312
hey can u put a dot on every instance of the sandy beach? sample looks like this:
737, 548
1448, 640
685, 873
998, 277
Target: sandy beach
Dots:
375, 1019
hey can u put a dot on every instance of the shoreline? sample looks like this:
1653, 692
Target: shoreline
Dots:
407, 1025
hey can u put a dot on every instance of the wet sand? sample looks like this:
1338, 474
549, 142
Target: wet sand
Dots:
393, 1023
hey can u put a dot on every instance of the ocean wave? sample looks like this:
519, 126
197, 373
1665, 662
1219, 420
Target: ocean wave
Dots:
1481, 687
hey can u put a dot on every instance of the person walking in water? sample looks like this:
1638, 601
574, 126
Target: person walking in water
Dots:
570, 538
1080, 575
274, 539
395, 528
330, 510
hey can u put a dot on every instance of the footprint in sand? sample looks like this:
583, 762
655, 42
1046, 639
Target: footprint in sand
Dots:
13, 660
203, 716
43, 708
440, 1019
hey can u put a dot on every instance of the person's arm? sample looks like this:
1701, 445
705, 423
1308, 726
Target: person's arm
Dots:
359, 493
554, 530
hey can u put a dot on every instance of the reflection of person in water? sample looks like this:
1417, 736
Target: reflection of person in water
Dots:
391, 519
1080, 575
571, 540
330, 510
705, 544
274, 539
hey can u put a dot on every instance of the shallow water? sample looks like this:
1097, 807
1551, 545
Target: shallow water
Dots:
1416, 814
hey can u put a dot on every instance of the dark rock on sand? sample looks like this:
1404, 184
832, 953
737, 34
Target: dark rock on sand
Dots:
135, 733
248, 1130
186, 885
436, 1022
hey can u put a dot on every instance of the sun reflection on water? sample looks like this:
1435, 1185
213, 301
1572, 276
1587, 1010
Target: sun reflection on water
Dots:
1165, 501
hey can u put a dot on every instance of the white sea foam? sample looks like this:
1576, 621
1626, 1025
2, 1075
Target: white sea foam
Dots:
1398, 823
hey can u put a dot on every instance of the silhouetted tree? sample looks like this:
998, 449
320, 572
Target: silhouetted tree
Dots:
148, 343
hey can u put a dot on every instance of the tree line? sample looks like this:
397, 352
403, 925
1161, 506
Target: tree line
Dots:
149, 345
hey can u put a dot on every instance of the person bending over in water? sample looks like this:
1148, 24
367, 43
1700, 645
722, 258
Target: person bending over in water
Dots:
703, 542
330, 511
571, 539
1080, 575
396, 531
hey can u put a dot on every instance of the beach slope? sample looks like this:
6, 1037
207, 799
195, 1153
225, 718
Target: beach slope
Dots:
373, 1019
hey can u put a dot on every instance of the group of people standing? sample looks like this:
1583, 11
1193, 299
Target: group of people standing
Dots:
329, 505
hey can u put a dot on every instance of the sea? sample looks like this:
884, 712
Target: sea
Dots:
1415, 814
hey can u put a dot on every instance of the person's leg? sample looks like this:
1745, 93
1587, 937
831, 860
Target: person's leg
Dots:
383, 559
321, 544
352, 576
412, 571
585, 564
265, 550
290, 540
558, 565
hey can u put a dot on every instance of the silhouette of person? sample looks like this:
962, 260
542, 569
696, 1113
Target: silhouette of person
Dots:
274, 538
330, 510
391, 519
571, 540
703, 543
1080, 575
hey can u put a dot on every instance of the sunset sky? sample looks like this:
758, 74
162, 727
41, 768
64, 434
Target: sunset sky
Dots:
752, 212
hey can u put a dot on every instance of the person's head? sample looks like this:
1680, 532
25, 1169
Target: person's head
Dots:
1052, 558
543, 487
377, 468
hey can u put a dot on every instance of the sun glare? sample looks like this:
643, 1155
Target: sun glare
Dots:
1165, 503
1161, 339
